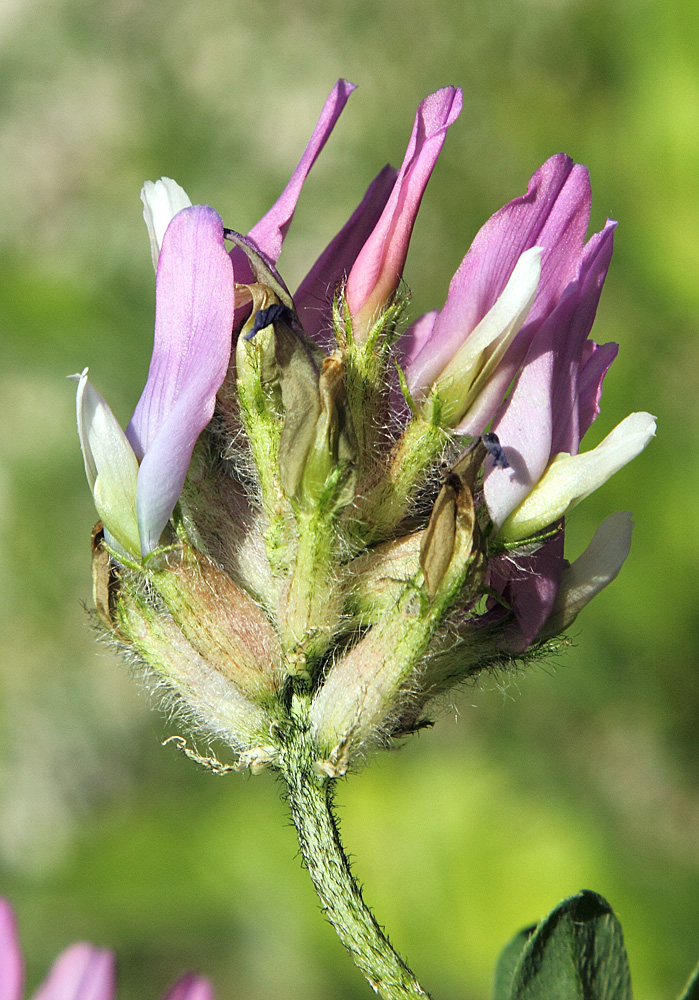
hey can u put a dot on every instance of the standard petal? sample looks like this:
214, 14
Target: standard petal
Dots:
596, 361
553, 214
162, 200
82, 972
570, 478
193, 327
191, 987
314, 297
379, 266
11, 961
269, 233
110, 465
592, 571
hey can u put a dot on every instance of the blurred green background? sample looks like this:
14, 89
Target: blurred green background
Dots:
582, 773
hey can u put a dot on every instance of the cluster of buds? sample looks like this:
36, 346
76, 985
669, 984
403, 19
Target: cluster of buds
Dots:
319, 518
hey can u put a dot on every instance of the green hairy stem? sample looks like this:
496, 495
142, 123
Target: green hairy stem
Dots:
309, 795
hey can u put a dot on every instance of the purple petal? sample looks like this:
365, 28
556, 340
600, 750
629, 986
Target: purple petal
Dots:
269, 233
541, 416
82, 972
193, 324
530, 585
553, 214
412, 340
379, 266
191, 987
596, 361
11, 961
314, 296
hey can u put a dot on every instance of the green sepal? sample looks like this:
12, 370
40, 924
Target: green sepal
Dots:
576, 951
691, 990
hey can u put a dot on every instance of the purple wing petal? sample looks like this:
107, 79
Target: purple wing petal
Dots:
315, 294
379, 266
191, 987
82, 972
270, 232
193, 325
11, 961
553, 214
530, 585
541, 417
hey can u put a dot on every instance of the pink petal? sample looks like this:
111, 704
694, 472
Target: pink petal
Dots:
191, 987
82, 972
269, 233
541, 416
193, 325
314, 296
553, 214
379, 266
11, 961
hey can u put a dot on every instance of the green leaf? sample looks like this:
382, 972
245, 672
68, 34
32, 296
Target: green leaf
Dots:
507, 963
576, 953
691, 990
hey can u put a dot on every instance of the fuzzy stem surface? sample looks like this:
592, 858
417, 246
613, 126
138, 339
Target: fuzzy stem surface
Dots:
310, 801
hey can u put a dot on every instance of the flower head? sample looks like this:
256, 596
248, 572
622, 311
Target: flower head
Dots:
368, 517
81, 972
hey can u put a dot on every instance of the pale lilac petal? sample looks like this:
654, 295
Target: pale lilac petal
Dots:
412, 340
193, 328
269, 233
82, 972
191, 987
11, 961
596, 361
379, 266
314, 296
553, 214
541, 417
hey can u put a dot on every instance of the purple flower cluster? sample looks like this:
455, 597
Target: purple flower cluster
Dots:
509, 350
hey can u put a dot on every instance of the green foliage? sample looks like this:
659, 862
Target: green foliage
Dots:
576, 951
691, 990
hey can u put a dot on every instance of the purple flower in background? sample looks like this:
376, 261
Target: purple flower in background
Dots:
81, 972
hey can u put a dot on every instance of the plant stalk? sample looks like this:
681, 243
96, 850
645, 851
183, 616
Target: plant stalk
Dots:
310, 801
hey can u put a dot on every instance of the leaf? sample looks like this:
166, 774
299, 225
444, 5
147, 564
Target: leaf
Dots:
507, 963
691, 990
576, 953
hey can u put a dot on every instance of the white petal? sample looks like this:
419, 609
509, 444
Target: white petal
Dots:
162, 200
478, 356
570, 478
110, 465
592, 571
